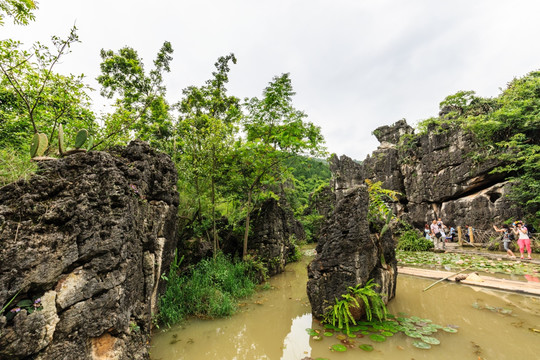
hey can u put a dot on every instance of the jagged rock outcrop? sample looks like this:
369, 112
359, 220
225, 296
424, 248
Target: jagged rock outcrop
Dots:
87, 238
438, 175
275, 232
347, 254
320, 204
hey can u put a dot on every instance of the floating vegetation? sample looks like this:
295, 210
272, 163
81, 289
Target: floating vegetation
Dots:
450, 261
421, 345
420, 329
499, 310
377, 337
366, 347
338, 347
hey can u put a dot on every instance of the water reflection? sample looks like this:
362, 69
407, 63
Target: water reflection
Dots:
492, 325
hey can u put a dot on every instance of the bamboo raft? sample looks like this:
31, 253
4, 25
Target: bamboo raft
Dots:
523, 287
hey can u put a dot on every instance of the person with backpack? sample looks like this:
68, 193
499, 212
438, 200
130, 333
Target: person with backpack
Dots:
506, 239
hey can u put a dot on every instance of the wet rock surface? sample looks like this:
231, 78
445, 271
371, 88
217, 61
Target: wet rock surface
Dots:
90, 236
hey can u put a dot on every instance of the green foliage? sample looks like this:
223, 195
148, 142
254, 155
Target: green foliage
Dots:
373, 302
20, 10
295, 253
13, 166
410, 240
339, 315
140, 105
34, 99
275, 131
81, 138
211, 289
506, 128
379, 210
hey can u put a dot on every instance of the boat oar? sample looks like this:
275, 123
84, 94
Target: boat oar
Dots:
449, 276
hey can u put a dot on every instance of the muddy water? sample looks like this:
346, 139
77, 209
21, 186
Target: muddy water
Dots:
272, 325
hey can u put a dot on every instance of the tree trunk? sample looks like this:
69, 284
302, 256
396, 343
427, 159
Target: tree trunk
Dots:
246, 233
214, 203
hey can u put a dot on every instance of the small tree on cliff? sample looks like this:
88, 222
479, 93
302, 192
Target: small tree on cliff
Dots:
274, 131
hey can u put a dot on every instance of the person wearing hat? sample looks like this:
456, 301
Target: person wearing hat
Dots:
524, 241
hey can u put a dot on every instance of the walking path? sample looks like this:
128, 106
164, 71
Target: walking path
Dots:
530, 288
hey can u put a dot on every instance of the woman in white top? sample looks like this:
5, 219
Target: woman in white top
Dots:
523, 238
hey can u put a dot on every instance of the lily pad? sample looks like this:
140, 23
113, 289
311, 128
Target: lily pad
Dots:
413, 334
312, 332
341, 337
430, 340
449, 329
338, 347
328, 333
377, 337
387, 333
421, 345
366, 347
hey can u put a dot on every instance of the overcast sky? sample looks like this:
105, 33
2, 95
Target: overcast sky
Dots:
355, 64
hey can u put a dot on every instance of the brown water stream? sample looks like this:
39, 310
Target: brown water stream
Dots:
272, 325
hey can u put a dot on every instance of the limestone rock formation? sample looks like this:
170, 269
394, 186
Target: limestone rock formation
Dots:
438, 176
87, 238
347, 254
274, 234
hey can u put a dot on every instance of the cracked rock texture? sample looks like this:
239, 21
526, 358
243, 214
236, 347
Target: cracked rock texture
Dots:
439, 174
348, 254
90, 234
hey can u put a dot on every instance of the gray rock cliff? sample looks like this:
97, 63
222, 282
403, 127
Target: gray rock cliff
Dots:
88, 238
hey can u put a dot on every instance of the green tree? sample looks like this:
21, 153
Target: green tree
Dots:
206, 129
20, 10
36, 99
139, 98
274, 131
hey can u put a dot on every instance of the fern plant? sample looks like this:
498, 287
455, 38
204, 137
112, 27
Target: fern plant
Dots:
372, 300
378, 197
339, 314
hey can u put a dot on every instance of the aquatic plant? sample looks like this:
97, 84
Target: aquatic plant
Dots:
451, 261
420, 329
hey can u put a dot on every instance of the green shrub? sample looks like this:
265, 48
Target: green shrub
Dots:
14, 166
410, 240
211, 289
